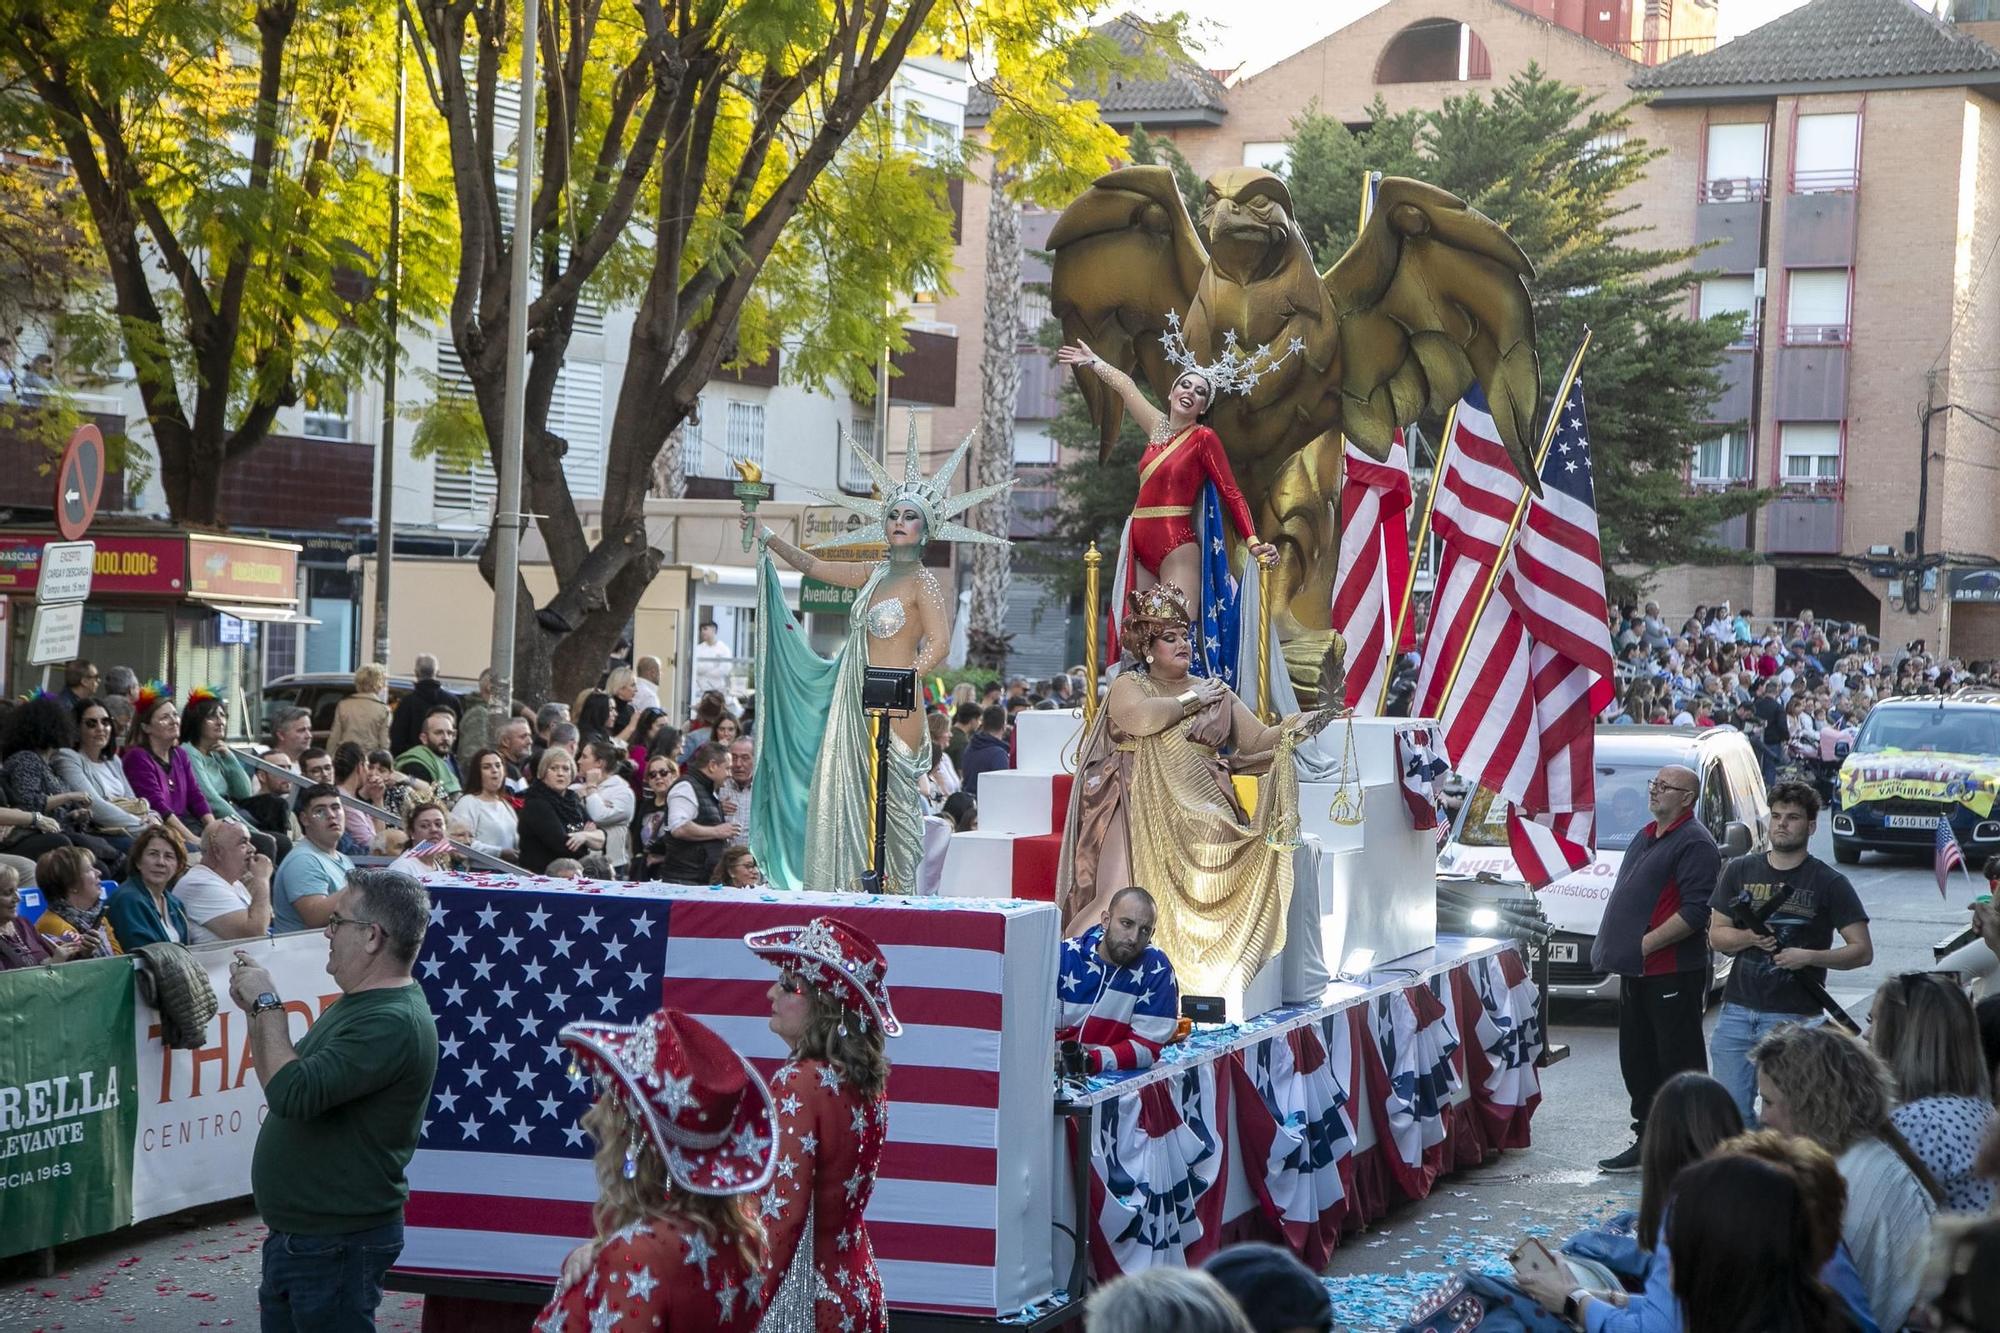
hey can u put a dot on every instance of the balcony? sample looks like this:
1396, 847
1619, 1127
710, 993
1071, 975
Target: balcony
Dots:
1729, 221
1733, 404
293, 484
762, 374
27, 463
1811, 379
1819, 230
1041, 383
928, 373
1659, 50
1806, 521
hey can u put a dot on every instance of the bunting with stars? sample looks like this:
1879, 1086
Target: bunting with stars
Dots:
1296, 1133
1159, 1159
1499, 1010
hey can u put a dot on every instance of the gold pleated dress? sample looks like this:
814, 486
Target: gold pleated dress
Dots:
1222, 880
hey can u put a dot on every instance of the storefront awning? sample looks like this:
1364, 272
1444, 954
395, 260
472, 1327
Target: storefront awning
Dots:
270, 615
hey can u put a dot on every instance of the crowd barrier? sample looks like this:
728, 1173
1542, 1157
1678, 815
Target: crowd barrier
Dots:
100, 1125
1299, 1125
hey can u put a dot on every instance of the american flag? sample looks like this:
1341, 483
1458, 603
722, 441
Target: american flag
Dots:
1374, 567
1475, 498
501, 1186
1520, 718
1946, 855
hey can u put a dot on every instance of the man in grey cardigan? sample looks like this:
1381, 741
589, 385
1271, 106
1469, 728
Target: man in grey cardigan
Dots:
1654, 938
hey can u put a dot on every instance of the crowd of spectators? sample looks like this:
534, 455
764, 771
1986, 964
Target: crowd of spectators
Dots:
1797, 687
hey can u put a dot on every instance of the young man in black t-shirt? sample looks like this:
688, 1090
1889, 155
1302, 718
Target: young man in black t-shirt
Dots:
1764, 991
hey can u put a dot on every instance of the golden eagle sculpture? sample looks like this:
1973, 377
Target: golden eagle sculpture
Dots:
1431, 296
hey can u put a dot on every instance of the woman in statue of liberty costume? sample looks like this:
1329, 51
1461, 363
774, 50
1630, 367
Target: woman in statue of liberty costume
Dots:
811, 804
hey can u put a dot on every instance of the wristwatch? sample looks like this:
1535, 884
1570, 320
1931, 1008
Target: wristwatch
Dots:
1573, 1305
265, 1003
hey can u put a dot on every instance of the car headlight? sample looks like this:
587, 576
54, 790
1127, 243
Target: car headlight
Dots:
1483, 918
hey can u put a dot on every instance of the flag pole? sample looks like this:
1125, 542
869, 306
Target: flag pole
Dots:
1520, 508
1409, 593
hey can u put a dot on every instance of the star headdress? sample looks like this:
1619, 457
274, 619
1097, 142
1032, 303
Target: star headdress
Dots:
929, 495
1235, 372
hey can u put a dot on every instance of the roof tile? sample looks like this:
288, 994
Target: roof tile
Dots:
1181, 85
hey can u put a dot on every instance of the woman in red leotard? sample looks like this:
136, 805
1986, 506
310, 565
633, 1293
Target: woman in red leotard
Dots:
1180, 456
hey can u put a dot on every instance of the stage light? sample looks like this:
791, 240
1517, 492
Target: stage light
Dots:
1484, 918
1357, 965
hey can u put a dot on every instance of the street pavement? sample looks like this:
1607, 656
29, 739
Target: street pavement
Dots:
199, 1269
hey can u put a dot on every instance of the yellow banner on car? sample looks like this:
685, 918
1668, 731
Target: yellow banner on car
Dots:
1883, 777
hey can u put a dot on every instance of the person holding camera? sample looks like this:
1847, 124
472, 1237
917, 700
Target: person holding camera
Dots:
1118, 1001
1764, 988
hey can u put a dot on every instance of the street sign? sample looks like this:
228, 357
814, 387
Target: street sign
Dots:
821, 530
79, 482
66, 571
57, 632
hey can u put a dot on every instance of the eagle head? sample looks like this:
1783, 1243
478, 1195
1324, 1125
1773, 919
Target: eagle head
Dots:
1247, 213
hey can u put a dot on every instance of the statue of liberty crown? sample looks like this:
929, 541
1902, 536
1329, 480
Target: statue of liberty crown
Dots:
931, 496
1234, 372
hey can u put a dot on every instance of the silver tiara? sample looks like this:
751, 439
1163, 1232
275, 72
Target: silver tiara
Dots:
1234, 372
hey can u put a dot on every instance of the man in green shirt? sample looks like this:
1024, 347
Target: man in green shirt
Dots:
430, 758
346, 1107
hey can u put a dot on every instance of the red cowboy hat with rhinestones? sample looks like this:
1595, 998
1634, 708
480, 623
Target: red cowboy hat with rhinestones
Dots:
837, 958
702, 1105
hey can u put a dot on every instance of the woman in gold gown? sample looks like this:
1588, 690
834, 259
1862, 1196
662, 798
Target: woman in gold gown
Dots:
1153, 805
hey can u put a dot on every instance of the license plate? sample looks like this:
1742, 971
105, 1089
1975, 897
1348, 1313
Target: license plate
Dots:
1909, 821
1561, 952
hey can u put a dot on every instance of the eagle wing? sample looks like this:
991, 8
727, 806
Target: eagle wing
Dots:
1432, 296
1123, 253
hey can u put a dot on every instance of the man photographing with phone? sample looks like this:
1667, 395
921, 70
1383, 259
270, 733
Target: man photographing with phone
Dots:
346, 1108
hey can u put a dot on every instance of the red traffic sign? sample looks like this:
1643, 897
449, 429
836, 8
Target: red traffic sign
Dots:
79, 482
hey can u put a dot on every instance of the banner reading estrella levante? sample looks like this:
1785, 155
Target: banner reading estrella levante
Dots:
67, 1109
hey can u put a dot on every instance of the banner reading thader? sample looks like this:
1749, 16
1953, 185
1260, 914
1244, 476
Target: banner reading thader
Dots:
67, 1103
199, 1111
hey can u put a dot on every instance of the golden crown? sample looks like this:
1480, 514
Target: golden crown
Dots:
1162, 601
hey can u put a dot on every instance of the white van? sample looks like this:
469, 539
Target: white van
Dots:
1731, 804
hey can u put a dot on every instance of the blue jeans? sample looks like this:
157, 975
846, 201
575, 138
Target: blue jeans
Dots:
325, 1284
1737, 1029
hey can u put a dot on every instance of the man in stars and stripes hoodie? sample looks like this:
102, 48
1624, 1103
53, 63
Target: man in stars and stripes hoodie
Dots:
1116, 993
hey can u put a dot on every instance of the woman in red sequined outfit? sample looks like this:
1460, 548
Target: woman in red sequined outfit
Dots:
1181, 455
831, 1004
685, 1136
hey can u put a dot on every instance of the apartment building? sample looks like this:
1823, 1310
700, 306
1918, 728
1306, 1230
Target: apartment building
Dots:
1843, 165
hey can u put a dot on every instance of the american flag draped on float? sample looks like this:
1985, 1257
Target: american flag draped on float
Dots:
1537, 669
501, 1185
1374, 568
